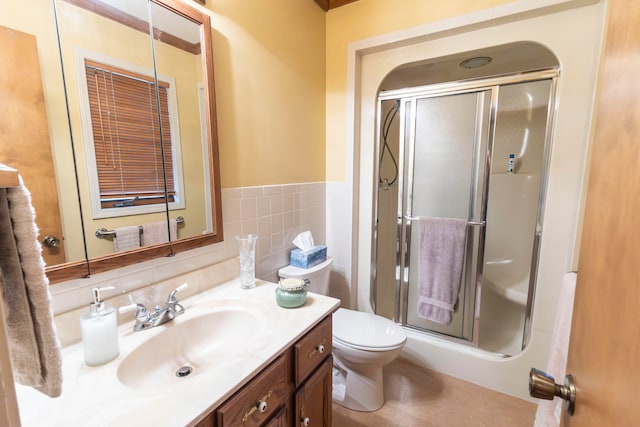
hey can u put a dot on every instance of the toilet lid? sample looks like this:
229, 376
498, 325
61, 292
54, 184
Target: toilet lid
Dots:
302, 273
366, 330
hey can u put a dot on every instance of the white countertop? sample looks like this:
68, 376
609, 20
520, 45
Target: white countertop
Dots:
95, 396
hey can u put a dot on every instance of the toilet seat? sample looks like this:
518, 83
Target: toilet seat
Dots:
366, 331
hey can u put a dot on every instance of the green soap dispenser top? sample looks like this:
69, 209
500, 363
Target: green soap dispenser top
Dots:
99, 329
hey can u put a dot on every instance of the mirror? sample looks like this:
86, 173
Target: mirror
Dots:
112, 37
35, 137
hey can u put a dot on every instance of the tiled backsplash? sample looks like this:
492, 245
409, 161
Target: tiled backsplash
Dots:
276, 213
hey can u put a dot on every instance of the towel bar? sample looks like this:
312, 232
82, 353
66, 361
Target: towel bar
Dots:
472, 223
103, 233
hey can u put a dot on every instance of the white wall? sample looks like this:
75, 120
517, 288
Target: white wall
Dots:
560, 29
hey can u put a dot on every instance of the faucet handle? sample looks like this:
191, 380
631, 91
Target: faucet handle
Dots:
127, 308
172, 296
141, 312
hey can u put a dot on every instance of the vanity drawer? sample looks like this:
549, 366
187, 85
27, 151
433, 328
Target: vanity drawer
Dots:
312, 349
260, 398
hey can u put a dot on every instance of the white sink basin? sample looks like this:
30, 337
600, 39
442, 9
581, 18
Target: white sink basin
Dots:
204, 343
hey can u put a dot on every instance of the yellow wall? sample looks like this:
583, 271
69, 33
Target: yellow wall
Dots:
269, 60
361, 20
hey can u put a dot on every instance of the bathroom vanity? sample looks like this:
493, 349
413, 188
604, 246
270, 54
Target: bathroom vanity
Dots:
233, 355
293, 390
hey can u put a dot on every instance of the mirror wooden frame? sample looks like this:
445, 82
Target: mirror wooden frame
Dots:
87, 267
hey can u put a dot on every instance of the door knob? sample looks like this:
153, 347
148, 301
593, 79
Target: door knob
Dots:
51, 242
543, 386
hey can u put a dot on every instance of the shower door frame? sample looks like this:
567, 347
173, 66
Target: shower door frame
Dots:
455, 88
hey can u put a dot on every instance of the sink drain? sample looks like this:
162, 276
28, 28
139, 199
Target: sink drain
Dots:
184, 371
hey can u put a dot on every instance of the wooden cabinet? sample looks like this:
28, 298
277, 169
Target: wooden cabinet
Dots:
209, 421
312, 349
261, 398
293, 390
313, 398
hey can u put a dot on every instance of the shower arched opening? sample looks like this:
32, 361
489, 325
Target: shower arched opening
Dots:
465, 137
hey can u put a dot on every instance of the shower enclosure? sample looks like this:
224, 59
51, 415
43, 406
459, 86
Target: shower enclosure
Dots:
475, 151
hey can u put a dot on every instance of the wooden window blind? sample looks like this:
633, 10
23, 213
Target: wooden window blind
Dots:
127, 139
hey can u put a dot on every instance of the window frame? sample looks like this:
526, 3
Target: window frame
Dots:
97, 210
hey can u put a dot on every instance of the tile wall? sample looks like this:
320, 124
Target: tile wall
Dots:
276, 213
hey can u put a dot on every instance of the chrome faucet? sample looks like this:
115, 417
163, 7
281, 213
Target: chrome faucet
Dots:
146, 319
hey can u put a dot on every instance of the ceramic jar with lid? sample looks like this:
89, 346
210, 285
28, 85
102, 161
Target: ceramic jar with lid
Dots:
291, 292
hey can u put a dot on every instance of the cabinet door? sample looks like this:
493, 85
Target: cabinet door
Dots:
279, 419
313, 398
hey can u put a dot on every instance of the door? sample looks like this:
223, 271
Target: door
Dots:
445, 178
604, 349
24, 129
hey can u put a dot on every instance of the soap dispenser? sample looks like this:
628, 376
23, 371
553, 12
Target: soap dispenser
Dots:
99, 329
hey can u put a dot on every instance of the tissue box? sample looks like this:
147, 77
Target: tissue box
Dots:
307, 259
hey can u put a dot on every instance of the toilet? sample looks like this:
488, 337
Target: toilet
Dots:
362, 344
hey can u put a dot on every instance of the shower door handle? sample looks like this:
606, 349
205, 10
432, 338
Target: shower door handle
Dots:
543, 386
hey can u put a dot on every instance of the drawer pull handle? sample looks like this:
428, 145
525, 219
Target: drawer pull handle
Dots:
305, 421
318, 349
260, 405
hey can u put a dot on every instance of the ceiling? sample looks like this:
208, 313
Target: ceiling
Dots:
332, 4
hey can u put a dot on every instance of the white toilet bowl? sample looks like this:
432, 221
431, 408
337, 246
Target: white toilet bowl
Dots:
362, 344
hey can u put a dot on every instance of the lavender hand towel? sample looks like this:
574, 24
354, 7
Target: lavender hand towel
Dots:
440, 256
34, 347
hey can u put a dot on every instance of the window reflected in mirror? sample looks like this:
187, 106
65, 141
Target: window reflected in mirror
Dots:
128, 146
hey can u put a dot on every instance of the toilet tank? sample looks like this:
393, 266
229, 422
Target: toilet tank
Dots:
318, 276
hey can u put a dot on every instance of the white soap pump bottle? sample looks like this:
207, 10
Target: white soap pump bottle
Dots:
99, 329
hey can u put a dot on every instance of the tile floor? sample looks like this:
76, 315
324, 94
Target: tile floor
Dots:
418, 397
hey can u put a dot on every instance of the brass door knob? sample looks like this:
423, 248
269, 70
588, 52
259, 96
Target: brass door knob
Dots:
543, 386
51, 242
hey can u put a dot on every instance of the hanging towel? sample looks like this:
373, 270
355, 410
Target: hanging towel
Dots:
156, 232
440, 256
549, 412
34, 347
126, 238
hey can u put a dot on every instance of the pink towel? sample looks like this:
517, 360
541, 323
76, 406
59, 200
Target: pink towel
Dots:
440, 256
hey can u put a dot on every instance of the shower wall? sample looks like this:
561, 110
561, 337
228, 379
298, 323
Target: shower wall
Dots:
387, 249
513, 225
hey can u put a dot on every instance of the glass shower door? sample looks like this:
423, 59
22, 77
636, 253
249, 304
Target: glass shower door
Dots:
446, 154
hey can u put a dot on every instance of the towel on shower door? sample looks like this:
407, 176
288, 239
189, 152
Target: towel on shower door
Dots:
34, 347
156, 232
440, 256
126, 238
